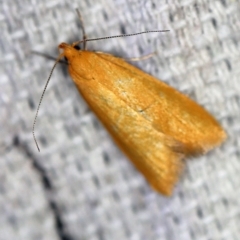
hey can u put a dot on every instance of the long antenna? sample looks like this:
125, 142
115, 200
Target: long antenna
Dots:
40, 102
83, 29
117, 36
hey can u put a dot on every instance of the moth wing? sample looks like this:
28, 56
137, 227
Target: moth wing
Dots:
156, 155
169, 111
150, 121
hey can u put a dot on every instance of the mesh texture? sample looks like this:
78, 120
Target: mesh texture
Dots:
80, 186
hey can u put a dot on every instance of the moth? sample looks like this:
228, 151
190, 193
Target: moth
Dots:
155, 125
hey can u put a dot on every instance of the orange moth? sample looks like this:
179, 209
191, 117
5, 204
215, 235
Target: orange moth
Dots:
155, 125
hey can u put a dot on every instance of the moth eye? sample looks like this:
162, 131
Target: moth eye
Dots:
77, 47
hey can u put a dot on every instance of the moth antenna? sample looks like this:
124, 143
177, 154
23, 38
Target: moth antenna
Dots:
83, 29
40, 102
48, 56
117, 36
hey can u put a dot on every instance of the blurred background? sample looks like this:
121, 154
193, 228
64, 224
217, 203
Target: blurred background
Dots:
80, 186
